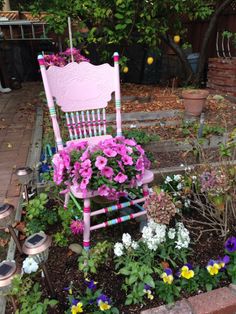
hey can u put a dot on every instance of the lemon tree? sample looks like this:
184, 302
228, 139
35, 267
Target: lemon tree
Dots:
111, 25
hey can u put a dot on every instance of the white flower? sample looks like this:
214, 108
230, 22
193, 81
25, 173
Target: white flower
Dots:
133, 126
118, 249
168, 179
182, 165
194, 178
29, 265
153, 235
171, 233
187, 203
183, 238
179, 186
126, 239
177, 177
134, 245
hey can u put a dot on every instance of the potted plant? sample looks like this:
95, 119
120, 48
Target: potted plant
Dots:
110, 167
194, 101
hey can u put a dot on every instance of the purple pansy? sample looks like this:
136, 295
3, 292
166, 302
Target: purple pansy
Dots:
91, 284
230, 244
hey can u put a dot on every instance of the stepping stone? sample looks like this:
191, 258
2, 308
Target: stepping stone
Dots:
76, 248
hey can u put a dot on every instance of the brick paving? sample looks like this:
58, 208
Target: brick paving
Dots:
219, 301
17, 117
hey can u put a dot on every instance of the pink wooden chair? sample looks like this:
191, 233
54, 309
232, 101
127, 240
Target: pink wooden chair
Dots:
83, 91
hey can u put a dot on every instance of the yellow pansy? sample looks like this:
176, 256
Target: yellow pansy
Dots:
104, 306
186, 272
167, 278
213, 269
77, 308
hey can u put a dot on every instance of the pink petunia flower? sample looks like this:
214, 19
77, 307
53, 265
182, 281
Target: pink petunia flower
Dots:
121, 150
139, 164
107, 172
130, 142
120, 177
100, 162
86, 173
109, 152
86, 164
127, 160
77, 226
85, 155
103, 190
139, 149
84, 183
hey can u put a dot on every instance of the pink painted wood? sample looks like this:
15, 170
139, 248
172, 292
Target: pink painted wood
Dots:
81, 86
81, 90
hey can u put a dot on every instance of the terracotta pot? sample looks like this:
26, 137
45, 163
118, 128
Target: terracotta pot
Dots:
194, 101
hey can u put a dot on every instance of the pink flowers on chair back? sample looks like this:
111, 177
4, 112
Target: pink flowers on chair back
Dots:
110, 166
62, 58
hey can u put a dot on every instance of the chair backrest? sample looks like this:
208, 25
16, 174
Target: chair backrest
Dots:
82, 91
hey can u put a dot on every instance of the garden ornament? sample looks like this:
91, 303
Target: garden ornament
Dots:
82, 91
7, 216
37, 247
25, 175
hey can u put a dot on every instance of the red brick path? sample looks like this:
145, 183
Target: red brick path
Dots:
219, 301
17, 116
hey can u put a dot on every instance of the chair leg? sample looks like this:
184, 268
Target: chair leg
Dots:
86, 238
66, 201
145, 190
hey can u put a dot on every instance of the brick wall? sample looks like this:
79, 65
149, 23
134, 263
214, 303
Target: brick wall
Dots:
222, 75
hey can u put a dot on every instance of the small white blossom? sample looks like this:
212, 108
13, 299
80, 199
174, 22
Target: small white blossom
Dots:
171, 233
118, 249
183, 238
29, 265
194, 178
153, 235
177, 177
168, 179
187, 203
182, 165
134, 245
133, 126
126, 239
179, 186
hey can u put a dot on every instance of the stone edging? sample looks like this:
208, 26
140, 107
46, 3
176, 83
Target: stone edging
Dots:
218, 301
33, 156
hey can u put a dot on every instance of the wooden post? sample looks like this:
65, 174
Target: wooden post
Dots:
6, 5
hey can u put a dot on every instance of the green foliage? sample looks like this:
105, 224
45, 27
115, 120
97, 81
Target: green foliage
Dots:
29, 296
88, 299
90, 261
38, 216
192, 129
167, 293
136, 275
140, 136
116, 24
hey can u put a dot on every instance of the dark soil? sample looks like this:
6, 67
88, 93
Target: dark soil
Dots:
63, 266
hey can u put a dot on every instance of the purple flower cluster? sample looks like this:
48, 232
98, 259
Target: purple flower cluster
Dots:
62, 58
207, 180
109, 167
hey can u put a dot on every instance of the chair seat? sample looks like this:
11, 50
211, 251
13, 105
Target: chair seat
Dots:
91, 140
147, 178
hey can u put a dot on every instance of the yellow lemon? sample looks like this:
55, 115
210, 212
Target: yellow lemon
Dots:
176, 39
150, 60
126, 70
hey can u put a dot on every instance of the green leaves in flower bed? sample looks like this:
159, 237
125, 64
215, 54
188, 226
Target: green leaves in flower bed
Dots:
208, 129
38, 215
29, 296
90, 261
90, 301
141, 137
167, 293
